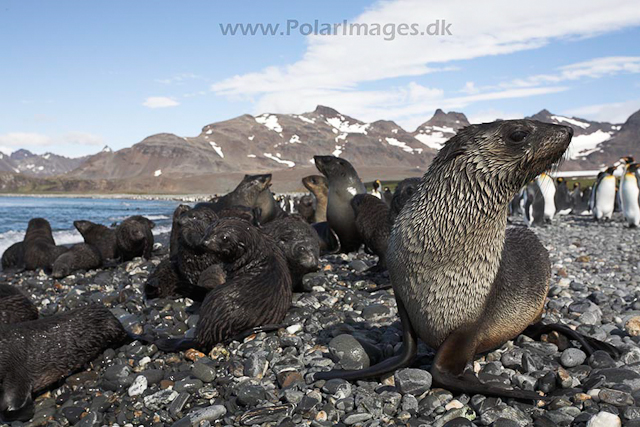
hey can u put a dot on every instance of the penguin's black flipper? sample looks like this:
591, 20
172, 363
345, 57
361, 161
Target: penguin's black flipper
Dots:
589, 345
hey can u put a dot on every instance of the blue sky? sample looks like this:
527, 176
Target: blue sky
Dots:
78, 75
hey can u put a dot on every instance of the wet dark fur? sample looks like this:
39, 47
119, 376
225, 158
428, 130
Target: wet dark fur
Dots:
13, 257
15, 307
258, 286
305, 208
36, 354
164, 282
40, 250
401, 196
175, 228
134, 238
100, 236
299, 243
373, 224
80, 257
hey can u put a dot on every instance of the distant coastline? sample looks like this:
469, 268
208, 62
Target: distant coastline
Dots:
175, 197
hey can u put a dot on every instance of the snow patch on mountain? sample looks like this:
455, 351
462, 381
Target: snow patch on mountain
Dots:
217, 148
270, 121
583, 145
340, 124
574, 122
279, 160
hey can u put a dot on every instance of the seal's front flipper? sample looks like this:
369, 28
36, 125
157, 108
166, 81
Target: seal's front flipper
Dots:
404, 359
329, 241
589, 345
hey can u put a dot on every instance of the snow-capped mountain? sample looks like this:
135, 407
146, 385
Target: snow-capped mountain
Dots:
28, 163
439, 128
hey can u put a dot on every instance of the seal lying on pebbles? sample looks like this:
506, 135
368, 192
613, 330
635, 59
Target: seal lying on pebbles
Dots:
100, 236
344, 183
13, 257
164, 282
464, 283
299, 243
257, 290
15, 307
374, 225
319, 187
80, 257
40, 250
36, 354
401, 196
134, 238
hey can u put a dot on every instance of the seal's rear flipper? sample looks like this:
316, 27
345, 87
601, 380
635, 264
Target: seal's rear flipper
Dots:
329, 241
404, 359
589, 345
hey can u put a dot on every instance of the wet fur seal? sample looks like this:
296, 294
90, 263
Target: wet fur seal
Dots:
299, 243
13, 257
374, 225
344, 183
319, 187
469, 285
257, 290
305, 208
134, 238
40, 250
36, 354
80, 257
15, 307
100, 236
401, 195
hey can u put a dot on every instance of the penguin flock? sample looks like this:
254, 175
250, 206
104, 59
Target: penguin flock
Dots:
546, 198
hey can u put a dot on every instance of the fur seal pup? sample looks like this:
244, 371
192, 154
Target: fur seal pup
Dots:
80, 257
164, 282
374, 225
257, 290
562, 199
299, 243
100, 236
40, 250
13, 257
173, 237
629, 195
15, 307
403, 193
305, 208
467, 286
134, 238
344, 183
603, 195
387, 196
319, 187
36, 354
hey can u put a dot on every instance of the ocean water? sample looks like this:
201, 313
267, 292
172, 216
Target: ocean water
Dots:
15, 213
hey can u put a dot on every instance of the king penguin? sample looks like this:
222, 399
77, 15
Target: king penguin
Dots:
629, 195
533, 205
603, 196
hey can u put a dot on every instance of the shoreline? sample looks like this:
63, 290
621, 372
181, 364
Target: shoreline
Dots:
166, 197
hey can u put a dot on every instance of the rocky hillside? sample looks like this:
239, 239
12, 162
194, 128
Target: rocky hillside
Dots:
439, 128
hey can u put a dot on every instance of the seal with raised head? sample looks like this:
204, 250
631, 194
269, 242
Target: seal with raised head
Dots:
299, 243
319, 187
36, 354
40, 250
464, 283
344, 183
15, 307
374, 226
80, 257
100, 236
257, 290
134, 238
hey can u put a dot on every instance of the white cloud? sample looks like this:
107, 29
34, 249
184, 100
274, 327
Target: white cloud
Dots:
22, 139
15, 140
333, 68
82, 138
160, 102
615, 112
490, 115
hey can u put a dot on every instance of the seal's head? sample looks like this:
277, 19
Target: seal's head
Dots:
192, 225
83, 226
405, 189
39, 224
317, 184
229, 238
334, 167
254, 184
507, 153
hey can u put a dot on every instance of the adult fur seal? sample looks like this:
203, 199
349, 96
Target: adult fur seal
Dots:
100, 236
134, 238
36, 354
40, 250
299, 243
257, 290
344, 183
15, 307
13, 257
374, 225
464, 283
403, 193
319, 187
80, 257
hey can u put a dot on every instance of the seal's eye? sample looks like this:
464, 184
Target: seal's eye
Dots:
518, 136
